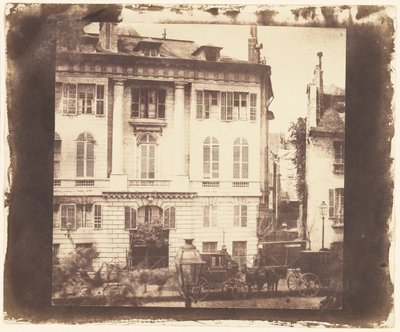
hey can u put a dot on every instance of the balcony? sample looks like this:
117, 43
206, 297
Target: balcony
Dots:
338, 167
148, 124
226, 187
69, 183
148, 183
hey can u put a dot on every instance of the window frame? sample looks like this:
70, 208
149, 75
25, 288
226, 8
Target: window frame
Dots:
97, 219
335, 195
65, 225
240, 215
140, 95
85, 161
207, 243
210, 214
242, 164
67, 101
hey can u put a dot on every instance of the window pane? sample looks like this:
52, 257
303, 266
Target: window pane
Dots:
244, 215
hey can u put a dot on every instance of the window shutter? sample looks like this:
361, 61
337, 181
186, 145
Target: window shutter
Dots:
100, 99
143, 161
127, 217
244, 215
166, 218
236, 161
172, 218
80, 147
206, 161
214, 215
199, 104
206, 216
236, 215
331, 203
90, 159
97, 217
152, 162
161, 103
63, 216
245, 161
71, 216
215, 161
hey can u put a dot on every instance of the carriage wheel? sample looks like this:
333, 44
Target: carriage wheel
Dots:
293, 281
239, 291
309, 284
204, 289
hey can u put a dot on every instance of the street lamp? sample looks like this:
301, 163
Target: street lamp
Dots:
323, 208
188, 264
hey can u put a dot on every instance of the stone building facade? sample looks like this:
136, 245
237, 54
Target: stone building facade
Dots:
325, 134
158, 131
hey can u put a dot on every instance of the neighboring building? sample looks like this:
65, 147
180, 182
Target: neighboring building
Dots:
284, 204
325, 160
158, 131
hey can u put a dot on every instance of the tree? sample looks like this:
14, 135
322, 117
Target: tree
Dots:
298, 133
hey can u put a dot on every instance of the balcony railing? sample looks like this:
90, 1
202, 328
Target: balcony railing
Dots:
210, 184
225, 185
148, 183
80, 182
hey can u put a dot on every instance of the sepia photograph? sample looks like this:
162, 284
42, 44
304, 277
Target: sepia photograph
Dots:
199, 165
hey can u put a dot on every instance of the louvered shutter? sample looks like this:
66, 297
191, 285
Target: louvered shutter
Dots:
331, 203
80, 154
206, 216
214, 215
90, 159
236, 215
244, 215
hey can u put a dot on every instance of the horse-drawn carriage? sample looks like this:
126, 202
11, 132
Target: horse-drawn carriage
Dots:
220, 272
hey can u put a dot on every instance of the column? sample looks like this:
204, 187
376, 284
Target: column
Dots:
179, 136
118, 178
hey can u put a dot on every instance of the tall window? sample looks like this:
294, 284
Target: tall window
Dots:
210, 158
169, 217
336, 204
81, 98
85, 155
240, 159
240, 215
253, 107
210, 215
205, 100
68, 216
98, 217
209, 247
147, 146
148, 103
227, 106
57, 155
130, 218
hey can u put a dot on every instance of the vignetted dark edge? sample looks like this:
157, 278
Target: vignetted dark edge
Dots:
368, 183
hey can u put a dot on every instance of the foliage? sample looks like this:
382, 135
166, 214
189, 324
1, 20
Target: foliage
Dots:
150, 235
70, 274
298, 133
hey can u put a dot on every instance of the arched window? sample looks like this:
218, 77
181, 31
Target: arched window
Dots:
57, 155
240, 159
210, 158
85, 155
147, 166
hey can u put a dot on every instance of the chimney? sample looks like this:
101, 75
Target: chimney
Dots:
253, 46
108, 37
320, 84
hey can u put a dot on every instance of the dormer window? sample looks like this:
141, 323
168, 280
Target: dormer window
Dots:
148, 48
208, 53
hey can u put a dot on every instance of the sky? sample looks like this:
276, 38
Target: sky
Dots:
290, 51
